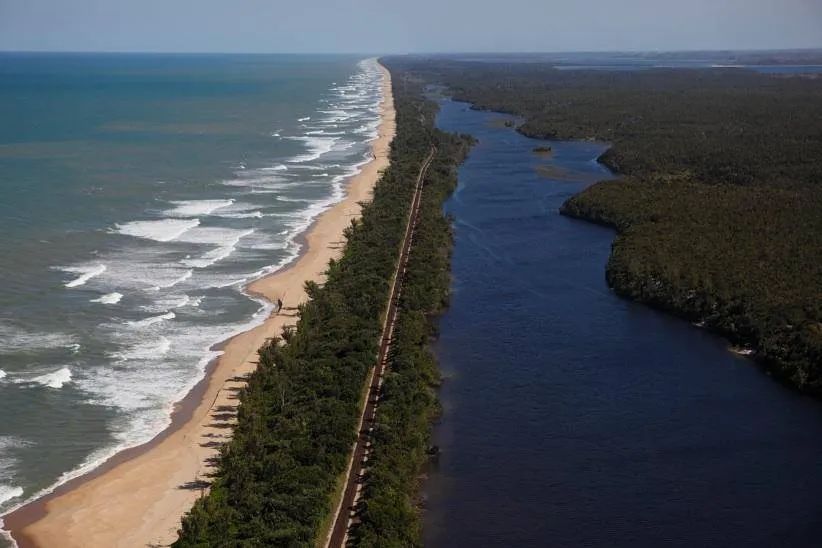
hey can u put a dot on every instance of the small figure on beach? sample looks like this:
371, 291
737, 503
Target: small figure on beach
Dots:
279, 306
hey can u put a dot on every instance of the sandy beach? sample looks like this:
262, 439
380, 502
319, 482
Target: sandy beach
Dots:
138, 497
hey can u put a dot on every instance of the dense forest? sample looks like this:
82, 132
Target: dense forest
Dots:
390, 515
719, 204
279, 476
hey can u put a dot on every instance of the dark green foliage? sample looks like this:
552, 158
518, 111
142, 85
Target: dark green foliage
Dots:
747, 271
719, 210
390, 516
297, 418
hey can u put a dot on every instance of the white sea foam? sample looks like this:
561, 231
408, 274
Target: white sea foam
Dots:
213, 235
263, 242
338, 115
368, 129
17, 339
55, 379
240, 210
269, 182
86, 273
317, 146
109, 298
155, 386
304, 119
8, 492
164, 303
324, 132
227, 240
8, 470
153, 319
147, 350
196, 208
186, 275
230, 283
249, 215
2, 374
163, 230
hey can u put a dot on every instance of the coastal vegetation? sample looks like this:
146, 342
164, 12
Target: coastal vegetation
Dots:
390, 515
719, 204
277, 478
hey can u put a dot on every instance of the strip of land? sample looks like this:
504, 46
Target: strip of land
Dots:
278, 480
139, 497
345, 514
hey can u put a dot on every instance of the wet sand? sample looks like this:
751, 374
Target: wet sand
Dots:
138, 497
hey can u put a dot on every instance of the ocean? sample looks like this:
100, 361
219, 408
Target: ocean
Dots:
573, 417
138, 195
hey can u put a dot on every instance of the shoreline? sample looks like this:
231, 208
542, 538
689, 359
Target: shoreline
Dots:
139, 495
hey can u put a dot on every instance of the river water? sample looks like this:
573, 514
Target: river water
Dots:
572, 417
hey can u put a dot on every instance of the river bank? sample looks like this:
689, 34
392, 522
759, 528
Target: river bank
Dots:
139, 497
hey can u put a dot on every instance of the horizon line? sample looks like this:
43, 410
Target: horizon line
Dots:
454, 52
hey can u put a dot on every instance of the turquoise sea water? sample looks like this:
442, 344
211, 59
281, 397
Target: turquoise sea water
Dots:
138, 194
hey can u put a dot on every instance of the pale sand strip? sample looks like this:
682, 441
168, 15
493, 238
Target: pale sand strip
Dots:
139, 501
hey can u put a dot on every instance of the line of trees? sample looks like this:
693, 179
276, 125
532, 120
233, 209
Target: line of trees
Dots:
390, 513
719, 207
277, 478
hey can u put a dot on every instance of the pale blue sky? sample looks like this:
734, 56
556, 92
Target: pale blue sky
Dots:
384, 26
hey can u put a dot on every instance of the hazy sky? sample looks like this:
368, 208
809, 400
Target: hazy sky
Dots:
384, 26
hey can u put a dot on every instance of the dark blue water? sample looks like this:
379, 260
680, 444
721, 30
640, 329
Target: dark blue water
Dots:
575, 418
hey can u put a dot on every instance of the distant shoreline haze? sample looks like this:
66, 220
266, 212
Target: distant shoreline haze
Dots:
795, 53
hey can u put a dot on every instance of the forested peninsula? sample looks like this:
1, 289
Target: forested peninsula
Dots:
279, 477
718, 206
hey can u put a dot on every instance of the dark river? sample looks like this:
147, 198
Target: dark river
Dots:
572, 417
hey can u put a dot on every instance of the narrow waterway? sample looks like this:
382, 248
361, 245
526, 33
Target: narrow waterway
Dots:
572, 417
